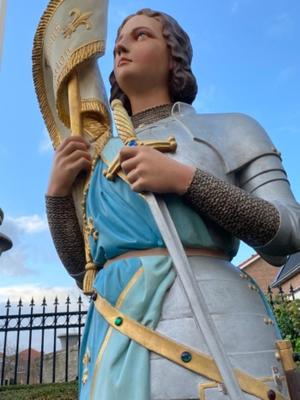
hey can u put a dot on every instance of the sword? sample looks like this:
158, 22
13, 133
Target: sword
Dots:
193, 293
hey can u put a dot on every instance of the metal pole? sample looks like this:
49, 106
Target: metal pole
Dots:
2, 19
42, 340
5, 342
67, 338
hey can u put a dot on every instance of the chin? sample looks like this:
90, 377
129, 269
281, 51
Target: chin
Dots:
129, 80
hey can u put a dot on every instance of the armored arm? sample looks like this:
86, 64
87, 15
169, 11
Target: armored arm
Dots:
266, 178
67, 235
249, 218
257, 205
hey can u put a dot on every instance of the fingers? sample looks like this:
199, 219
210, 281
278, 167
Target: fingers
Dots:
72, 143
76, 155
133, 176
81, 164
130, 164
140, 185
128, 152
74, 163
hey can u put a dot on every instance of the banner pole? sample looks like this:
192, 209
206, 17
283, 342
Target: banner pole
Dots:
74, 105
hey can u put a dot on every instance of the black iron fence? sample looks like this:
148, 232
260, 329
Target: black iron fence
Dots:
278, 295
38, 331
43, 361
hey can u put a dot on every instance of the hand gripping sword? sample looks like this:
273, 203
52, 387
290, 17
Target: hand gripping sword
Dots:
175, 248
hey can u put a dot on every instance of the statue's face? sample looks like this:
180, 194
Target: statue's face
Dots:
142, 58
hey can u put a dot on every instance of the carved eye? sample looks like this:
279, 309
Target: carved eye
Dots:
141, 35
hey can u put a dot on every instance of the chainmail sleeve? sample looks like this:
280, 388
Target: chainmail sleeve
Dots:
249, 218
66, 235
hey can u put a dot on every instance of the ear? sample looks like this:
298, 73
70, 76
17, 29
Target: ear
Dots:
171, 62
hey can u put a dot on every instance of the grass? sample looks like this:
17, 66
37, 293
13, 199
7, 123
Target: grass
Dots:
58, 391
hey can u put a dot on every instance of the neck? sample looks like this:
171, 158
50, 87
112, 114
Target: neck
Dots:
140, 102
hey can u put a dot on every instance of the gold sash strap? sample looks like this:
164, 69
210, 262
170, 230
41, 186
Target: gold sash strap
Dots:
185, 356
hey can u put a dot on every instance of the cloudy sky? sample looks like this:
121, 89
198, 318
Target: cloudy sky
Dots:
246, 59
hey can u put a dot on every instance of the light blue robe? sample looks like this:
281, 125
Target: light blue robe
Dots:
116, 364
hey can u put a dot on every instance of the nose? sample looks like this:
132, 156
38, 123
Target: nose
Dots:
121, 48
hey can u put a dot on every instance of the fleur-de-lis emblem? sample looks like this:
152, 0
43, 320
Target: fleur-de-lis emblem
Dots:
79, 18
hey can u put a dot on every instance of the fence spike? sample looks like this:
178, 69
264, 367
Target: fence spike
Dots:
20, 304
56, 301
8, 305
68, 300
292, 292
44, 302
270, 293
269, 289
281, 292
32, 302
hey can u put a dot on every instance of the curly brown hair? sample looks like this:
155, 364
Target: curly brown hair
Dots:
182, 82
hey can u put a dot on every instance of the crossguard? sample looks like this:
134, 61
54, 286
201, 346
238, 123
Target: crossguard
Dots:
164, 146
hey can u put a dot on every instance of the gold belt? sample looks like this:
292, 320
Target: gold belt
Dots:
185, 356
162, 251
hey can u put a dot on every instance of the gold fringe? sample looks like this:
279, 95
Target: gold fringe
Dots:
37, 70
83, 53
92, 105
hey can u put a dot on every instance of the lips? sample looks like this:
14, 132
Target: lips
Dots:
123, 61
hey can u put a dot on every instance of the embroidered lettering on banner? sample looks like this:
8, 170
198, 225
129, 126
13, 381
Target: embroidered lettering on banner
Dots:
60, 63
79, 19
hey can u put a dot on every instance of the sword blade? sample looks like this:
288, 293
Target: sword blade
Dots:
193, 293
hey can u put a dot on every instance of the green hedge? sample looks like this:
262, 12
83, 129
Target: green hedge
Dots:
59, 391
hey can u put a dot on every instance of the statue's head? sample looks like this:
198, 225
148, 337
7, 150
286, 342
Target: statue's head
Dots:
181, 82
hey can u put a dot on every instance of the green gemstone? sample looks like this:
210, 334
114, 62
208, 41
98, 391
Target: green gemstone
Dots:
186, 356
119, 321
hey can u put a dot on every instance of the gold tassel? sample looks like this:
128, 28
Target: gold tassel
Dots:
89, 277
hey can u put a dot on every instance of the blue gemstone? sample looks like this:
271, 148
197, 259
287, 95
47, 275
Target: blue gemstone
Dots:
132, 143
186, 356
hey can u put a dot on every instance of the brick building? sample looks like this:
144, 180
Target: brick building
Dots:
289, 275
268, 275
261, 271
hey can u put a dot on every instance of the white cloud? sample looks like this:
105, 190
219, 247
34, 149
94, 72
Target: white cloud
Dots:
281, 26
12, 262
30, 223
